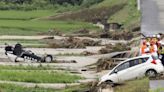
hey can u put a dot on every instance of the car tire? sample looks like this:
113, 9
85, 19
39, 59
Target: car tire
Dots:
151, 73
48, 59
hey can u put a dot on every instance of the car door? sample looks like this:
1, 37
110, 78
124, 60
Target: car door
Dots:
123, 72
137, 67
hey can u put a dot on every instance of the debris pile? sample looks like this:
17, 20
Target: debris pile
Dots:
103, 87
122, 35
118, 35
87, 53
82, 31
105, 64
114, 48
72, 42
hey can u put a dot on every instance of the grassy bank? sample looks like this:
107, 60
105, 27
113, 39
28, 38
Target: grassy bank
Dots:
38, 76
34, 27
21, 67
16, 88
128, 16
23, 41
141, 85
24, 15
157, 90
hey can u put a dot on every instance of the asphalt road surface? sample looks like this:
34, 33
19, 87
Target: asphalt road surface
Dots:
152, 21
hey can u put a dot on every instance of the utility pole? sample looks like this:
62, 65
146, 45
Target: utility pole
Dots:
139, 4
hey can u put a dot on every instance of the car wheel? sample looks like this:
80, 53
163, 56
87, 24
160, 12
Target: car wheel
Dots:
151, 73
48, 59
109, 82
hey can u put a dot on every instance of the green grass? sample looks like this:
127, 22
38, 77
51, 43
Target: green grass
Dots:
38, 76
141, 85
13, 22
16, 22
109, 3
157, 90
21, 67
128, 16
23, 41
80, 88
33, 27
16, 88
24, 15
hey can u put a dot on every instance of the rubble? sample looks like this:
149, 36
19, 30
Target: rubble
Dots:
109, 48
87, 53
72, 42
105, 64
64, 61
82, 31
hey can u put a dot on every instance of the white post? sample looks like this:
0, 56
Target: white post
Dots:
138, 4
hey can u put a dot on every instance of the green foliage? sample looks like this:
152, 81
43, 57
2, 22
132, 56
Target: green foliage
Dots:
88, 3
35, 4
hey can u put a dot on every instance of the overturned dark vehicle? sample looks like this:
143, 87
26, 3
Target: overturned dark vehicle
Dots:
17, 54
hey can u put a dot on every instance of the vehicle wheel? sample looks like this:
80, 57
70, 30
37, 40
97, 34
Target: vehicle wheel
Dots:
48, 59
151, 73
109, 82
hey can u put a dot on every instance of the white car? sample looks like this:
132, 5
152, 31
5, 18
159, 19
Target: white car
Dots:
134, 68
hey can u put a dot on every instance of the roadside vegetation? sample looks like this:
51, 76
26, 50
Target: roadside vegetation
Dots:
140, 85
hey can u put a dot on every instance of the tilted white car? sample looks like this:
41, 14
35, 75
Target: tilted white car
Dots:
134, 68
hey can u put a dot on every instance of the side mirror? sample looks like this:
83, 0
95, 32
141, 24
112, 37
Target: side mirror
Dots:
115, 71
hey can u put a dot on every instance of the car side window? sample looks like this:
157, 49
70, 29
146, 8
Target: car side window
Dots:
137, 61
145, 59
123, 66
